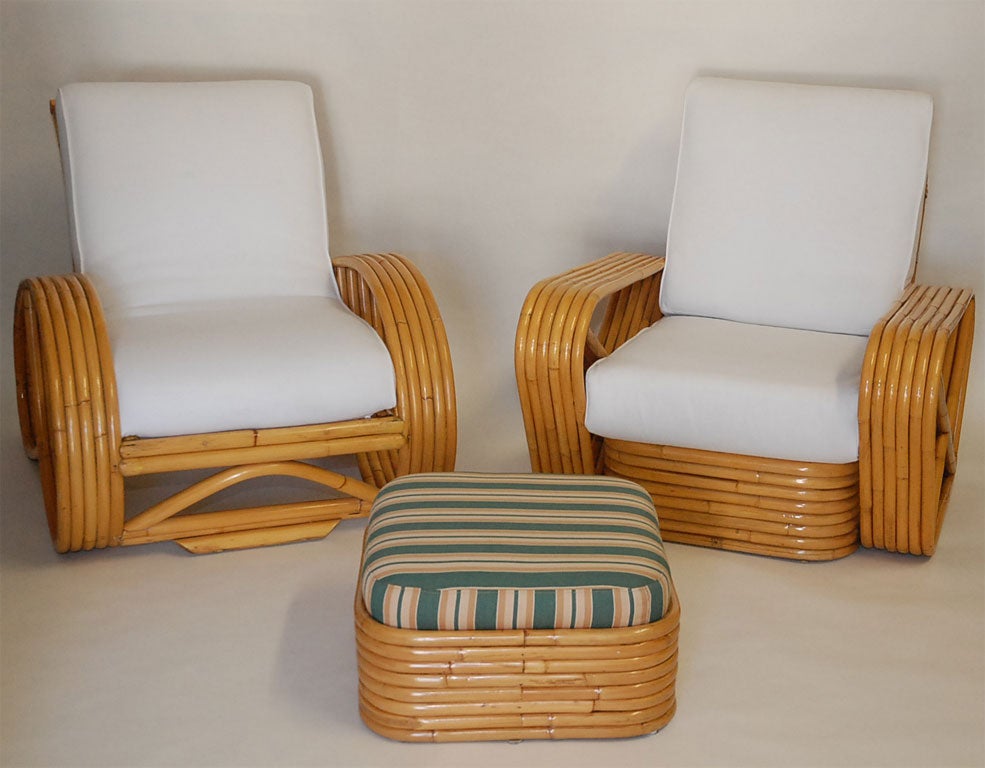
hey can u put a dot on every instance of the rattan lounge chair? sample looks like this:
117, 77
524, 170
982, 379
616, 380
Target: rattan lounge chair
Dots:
778, 382
206, 327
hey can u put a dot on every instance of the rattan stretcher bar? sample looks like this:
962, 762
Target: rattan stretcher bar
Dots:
438, 686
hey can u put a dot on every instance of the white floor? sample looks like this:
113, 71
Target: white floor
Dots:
148, 656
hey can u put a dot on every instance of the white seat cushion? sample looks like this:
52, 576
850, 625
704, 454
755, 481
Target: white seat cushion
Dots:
716, 385
796, 205
246, 363
190, 191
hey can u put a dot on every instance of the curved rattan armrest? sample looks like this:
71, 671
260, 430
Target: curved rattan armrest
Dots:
391, 294
555, 344
911, 403
67, 405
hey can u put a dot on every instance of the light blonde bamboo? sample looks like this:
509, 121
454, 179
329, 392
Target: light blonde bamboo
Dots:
550, 356
230, 477
711, 461
98, 440
787, 551
31, 306
441, 658
526, 683
261, 537
82, 446
728, 479
623, 686
844, 525
65, 427
516, 684
390, 293
927, 337
252, 518
810, 515
108, 405
261, 454
916, 355
26, 372
58, 334
803, 518
136, 447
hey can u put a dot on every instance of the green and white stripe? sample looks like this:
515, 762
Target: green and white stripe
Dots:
457, 551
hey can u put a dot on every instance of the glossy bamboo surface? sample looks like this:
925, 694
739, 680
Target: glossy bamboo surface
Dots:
795, 510
911, 407
69, 416
911, 401
66, 395
390, 293
516, 684
555, 344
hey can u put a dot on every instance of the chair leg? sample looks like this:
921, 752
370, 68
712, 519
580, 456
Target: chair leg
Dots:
68, 412
911, 407
392, 295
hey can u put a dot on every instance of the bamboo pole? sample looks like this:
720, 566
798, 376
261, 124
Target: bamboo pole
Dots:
390, 293
260, 454
500, 685
914, 377
230, 477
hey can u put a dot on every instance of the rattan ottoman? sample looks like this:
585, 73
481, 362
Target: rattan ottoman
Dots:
510, 607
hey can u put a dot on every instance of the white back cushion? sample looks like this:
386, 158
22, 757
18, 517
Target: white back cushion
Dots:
194, 191
795, 205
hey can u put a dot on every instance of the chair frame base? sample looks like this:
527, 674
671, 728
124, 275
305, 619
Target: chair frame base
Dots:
69, 417
442, 686
794, 510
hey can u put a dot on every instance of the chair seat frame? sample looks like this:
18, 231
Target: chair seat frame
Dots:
911, 401
69, 418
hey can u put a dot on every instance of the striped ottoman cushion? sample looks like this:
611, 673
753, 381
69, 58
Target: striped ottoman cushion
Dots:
458, 551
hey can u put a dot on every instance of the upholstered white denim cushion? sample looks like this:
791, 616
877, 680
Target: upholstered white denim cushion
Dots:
210, 366
189, 191
198, 210
795, 205
697, 382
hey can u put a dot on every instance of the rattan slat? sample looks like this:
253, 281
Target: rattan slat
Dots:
529, 684
911, 402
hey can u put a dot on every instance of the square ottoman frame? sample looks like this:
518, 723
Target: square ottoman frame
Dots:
514, 684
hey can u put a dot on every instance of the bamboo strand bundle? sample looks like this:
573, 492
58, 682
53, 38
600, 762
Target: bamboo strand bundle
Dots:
66, 391
914, 382
69, 418
795, 510
550, 357
516, 684
389, 292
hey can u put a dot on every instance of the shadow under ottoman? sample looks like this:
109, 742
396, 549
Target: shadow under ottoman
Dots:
506, 607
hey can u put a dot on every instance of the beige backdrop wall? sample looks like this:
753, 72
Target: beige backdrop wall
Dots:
493, 142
